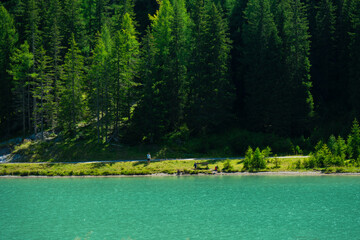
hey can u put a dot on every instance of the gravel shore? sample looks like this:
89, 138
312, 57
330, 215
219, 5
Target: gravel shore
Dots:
288, 173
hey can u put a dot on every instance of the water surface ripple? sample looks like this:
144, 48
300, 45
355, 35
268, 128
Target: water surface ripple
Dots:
199, 207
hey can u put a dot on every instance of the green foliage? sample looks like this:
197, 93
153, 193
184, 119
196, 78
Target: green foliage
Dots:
71, 105
125, 63
210, 90
248, 158
228, 166
297, 150
354, 141
22, 63
331, 154
42, 92
182, 75
354, 55
254, 160
277, 162
266, 152
262, 63
8, 39
297, 101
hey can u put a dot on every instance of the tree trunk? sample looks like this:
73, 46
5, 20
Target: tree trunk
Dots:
97, 110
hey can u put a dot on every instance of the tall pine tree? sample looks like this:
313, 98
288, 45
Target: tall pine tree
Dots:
262, 61
296, 98
71, 104
8, 39
354, 64
22, 63
211, 95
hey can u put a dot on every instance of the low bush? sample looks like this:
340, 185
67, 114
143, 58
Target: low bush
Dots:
255, 160
277, 162
228, 167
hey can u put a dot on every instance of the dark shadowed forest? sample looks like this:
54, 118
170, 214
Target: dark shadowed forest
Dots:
141, 71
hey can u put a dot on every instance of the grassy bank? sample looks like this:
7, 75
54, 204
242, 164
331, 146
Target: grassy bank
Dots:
84, 147
143, 168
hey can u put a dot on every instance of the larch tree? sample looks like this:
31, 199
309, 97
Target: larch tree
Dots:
211, 96
42, 91
143, 123
354, 63
22, 63
295, 97
71, 104
262, 61
236, 22
101, 81
125, 61
32, 34
160, 83
54, 47
179, 59
323, 56
72, 23
8, 39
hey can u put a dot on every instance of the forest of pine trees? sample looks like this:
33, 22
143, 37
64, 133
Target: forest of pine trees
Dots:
137, 70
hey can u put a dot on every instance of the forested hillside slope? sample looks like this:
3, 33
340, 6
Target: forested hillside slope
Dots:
134, 71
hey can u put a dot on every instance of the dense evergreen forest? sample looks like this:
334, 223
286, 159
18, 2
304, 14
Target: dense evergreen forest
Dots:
137, 70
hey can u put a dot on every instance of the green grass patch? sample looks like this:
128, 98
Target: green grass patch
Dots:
143, 168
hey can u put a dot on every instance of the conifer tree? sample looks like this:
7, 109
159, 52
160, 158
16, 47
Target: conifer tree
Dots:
88, 7
342, 58
32, 35
100, 75
296, 98
143, 125
71, 104
125, 60
42, 91
120, 9
21, 68
262, 61
161, 84
8, 39
18, 13
236, 22
323, 57
100, 14
354, 63
53, 44
73, 23
95, 74
354, 141
179, 54
211, 93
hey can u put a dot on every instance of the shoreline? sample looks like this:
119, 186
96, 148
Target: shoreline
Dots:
283, 173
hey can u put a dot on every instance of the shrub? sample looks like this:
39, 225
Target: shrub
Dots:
255, 160
266, 152
297, 150
310, 162
228, 166
248, 158
258, 160
340, 170
329, 170
277, 162
298, 164
325, 156
179, 136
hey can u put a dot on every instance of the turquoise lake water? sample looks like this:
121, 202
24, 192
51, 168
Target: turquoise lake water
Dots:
199, 207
